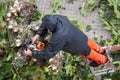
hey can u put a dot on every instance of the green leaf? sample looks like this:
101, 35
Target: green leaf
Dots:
88, 28
9, 57
80, 25
2, 10
95, 38
107, 27
1, 77
68, 69
3, 42
14, 76
91, 2
73, 21
49, 12
114, 32
75, 77
87, 7
19, 62
55, 5
71, 1
84, 11
116, 62
4, 34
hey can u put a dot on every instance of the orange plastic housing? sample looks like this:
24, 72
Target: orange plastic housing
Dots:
40, 45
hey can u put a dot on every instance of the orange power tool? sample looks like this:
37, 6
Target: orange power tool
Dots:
36, 46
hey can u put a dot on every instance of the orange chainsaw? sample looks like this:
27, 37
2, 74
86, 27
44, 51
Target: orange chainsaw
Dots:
36, 46
27, 43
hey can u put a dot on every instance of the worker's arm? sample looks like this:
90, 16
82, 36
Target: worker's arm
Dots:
55, 45
42, 30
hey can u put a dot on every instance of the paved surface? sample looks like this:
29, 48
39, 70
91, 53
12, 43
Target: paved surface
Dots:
72, 10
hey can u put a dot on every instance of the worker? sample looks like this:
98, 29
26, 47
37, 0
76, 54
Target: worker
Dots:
66, 37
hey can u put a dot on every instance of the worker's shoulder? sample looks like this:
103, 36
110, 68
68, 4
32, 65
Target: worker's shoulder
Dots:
48, 16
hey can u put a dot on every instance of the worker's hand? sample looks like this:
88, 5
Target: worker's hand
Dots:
28, 52
35, 38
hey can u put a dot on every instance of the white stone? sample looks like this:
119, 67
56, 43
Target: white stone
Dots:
50, 60
8, 19
54, 67
13, 11
11, 8
9, 14
18, 42
21, 29
15, 30
10, 27
18, 9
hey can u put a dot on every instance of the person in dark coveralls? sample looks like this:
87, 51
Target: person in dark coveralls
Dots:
66, 37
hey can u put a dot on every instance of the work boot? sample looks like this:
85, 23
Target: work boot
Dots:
95, 64
103, 51
97, 58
